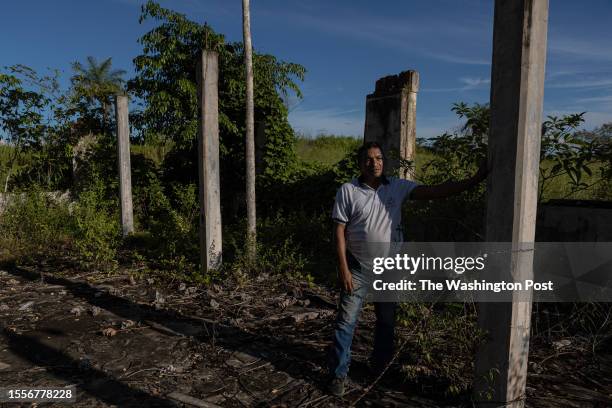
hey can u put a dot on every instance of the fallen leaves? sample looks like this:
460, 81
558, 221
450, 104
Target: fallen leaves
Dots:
126, 324
77, 310
95, 310
558, 345
109, 332
26, 306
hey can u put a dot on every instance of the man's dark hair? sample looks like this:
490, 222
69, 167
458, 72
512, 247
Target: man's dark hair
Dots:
362, 153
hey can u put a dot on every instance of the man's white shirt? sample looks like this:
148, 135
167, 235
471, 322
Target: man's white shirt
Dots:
371, 216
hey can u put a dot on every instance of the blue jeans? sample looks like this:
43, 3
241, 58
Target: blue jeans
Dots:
346, 320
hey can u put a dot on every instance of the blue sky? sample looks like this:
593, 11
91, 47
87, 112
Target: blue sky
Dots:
345, 46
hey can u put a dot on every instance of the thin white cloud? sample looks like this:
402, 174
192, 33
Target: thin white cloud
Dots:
432, 127
456, 59
350, 122
592, 119
403, 35
607, 99
455, 89
596, 119
313, 122
136, 3
580, 49
469, 84
556, 73
589, 83
475, 82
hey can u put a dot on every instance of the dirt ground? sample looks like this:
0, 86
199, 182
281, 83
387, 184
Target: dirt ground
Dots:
127, 342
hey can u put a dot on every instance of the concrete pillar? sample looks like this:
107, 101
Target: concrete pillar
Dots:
208, 161
391, 119
123, 157
517, 90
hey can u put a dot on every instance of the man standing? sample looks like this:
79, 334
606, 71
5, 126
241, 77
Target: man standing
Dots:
368, 209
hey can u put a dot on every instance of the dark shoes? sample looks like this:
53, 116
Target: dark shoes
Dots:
337, 387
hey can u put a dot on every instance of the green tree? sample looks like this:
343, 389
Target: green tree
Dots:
562, 144
165, 82
21, 119
563, 156
97, 82
572, 155
41, 122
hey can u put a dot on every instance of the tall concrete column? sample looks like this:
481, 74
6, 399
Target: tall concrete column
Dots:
208, 161
391, 119
123, 156
517, 90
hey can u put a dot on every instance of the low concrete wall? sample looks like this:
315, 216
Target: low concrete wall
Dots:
557, 221
574, 221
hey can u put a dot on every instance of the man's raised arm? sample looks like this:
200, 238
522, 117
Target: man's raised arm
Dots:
449, 188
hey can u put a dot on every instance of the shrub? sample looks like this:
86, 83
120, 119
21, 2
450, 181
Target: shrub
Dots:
284, 259
39, 223
97, 231
35, 223
173, 221
438, 331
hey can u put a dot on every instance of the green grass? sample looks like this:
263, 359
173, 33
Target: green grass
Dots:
6, 153
561, 188
330, 149
325, 149
156, 153
422, 157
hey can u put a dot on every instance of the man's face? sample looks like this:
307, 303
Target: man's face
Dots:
372, 164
